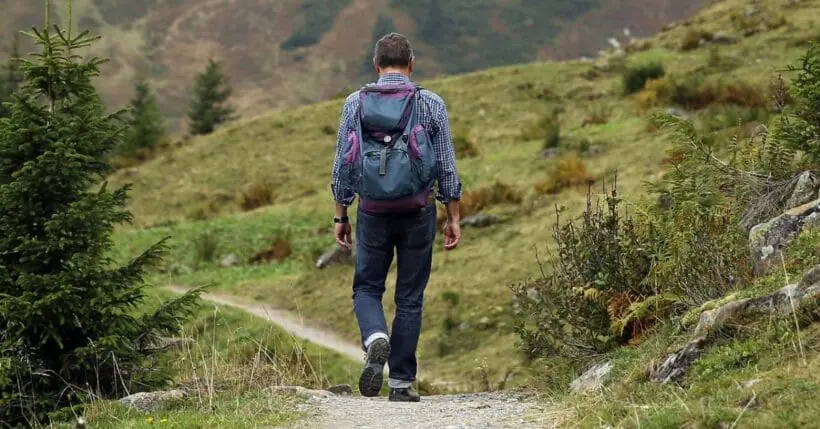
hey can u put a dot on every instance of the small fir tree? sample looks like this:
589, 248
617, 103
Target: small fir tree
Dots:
69, 316
210, 107
146, 127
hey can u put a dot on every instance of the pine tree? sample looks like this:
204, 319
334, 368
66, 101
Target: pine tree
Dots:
210, 107
145, 122
71, 320
10, 77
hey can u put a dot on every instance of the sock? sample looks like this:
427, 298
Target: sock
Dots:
374, 337
398, 384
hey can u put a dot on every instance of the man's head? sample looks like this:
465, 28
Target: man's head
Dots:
393, 54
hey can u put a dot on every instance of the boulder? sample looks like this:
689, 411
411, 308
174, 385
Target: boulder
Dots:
678, 112
723, 38
479, 221
592, 379
674, 367
551, 152
779, 304
230, 261
766, 240
335, 256
149, 402
804, 191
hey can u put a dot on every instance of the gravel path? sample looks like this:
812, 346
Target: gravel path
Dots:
499, 410
473, 411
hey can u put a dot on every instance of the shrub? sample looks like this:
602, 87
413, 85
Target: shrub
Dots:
799, 127
463, 143
548, 129
565, 173
692, 39
598, 114
635, 78
255, 195
599, 264
277, 251
206, 247
478, 199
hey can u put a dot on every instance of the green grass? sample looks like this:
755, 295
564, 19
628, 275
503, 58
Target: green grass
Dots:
290, 149
231, 409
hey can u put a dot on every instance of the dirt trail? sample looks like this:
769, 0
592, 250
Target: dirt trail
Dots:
474, 411
293, 324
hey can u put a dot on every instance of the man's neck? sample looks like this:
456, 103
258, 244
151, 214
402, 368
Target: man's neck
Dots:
404, 72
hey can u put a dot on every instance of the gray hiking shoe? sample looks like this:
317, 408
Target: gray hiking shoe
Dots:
370, 383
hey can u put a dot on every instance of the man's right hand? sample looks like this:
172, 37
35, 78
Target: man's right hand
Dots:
452, 234
344, 235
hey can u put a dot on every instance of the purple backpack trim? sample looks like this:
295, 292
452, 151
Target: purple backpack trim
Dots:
404, 205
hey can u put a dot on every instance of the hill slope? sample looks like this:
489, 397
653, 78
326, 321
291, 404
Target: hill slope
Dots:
290, 52
189, 193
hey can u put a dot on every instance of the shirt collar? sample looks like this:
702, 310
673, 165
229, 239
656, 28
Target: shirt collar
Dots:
393, 78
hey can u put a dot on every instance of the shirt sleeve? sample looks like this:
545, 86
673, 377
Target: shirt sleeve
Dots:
449, 184
342, 194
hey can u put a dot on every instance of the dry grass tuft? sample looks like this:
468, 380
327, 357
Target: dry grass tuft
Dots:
278, 251
567, 172
255, 195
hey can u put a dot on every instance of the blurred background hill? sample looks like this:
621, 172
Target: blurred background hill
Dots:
282, 53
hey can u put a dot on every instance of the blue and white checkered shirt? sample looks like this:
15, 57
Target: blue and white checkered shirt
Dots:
432, 114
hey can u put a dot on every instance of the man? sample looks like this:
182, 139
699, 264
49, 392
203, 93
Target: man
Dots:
409, 233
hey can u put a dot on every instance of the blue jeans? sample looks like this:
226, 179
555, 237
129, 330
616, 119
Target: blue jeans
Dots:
412, 237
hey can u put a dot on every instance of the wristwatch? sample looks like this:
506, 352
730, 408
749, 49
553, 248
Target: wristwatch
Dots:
343, 219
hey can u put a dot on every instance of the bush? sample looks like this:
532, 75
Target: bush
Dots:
548, 129
692, 39
599, 265
206, 247
277, 251
597, 115
799, 127
463, 143
478, 199
255, 195
635, 78
565, 173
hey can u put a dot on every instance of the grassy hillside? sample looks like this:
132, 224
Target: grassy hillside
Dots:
195, 192
292, 52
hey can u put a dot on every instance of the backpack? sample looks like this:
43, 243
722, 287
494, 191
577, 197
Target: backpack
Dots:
389, 159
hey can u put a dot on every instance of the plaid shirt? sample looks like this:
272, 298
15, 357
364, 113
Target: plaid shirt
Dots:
432, 114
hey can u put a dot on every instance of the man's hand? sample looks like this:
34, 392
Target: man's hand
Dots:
452, 235
344, 235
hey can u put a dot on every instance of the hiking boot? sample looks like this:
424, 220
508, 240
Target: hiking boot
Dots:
406, 394
370, 383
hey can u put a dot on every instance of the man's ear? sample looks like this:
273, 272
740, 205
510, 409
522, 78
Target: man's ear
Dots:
412, 65
376, 66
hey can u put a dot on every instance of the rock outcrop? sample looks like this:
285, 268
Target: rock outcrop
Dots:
766, 240
335, 256
593, 379
479, 221
149, 402
674, 367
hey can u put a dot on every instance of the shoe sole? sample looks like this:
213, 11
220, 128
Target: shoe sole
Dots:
404, 400
370, 382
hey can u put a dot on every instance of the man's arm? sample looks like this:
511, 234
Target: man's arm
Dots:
342, 195
449, 184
